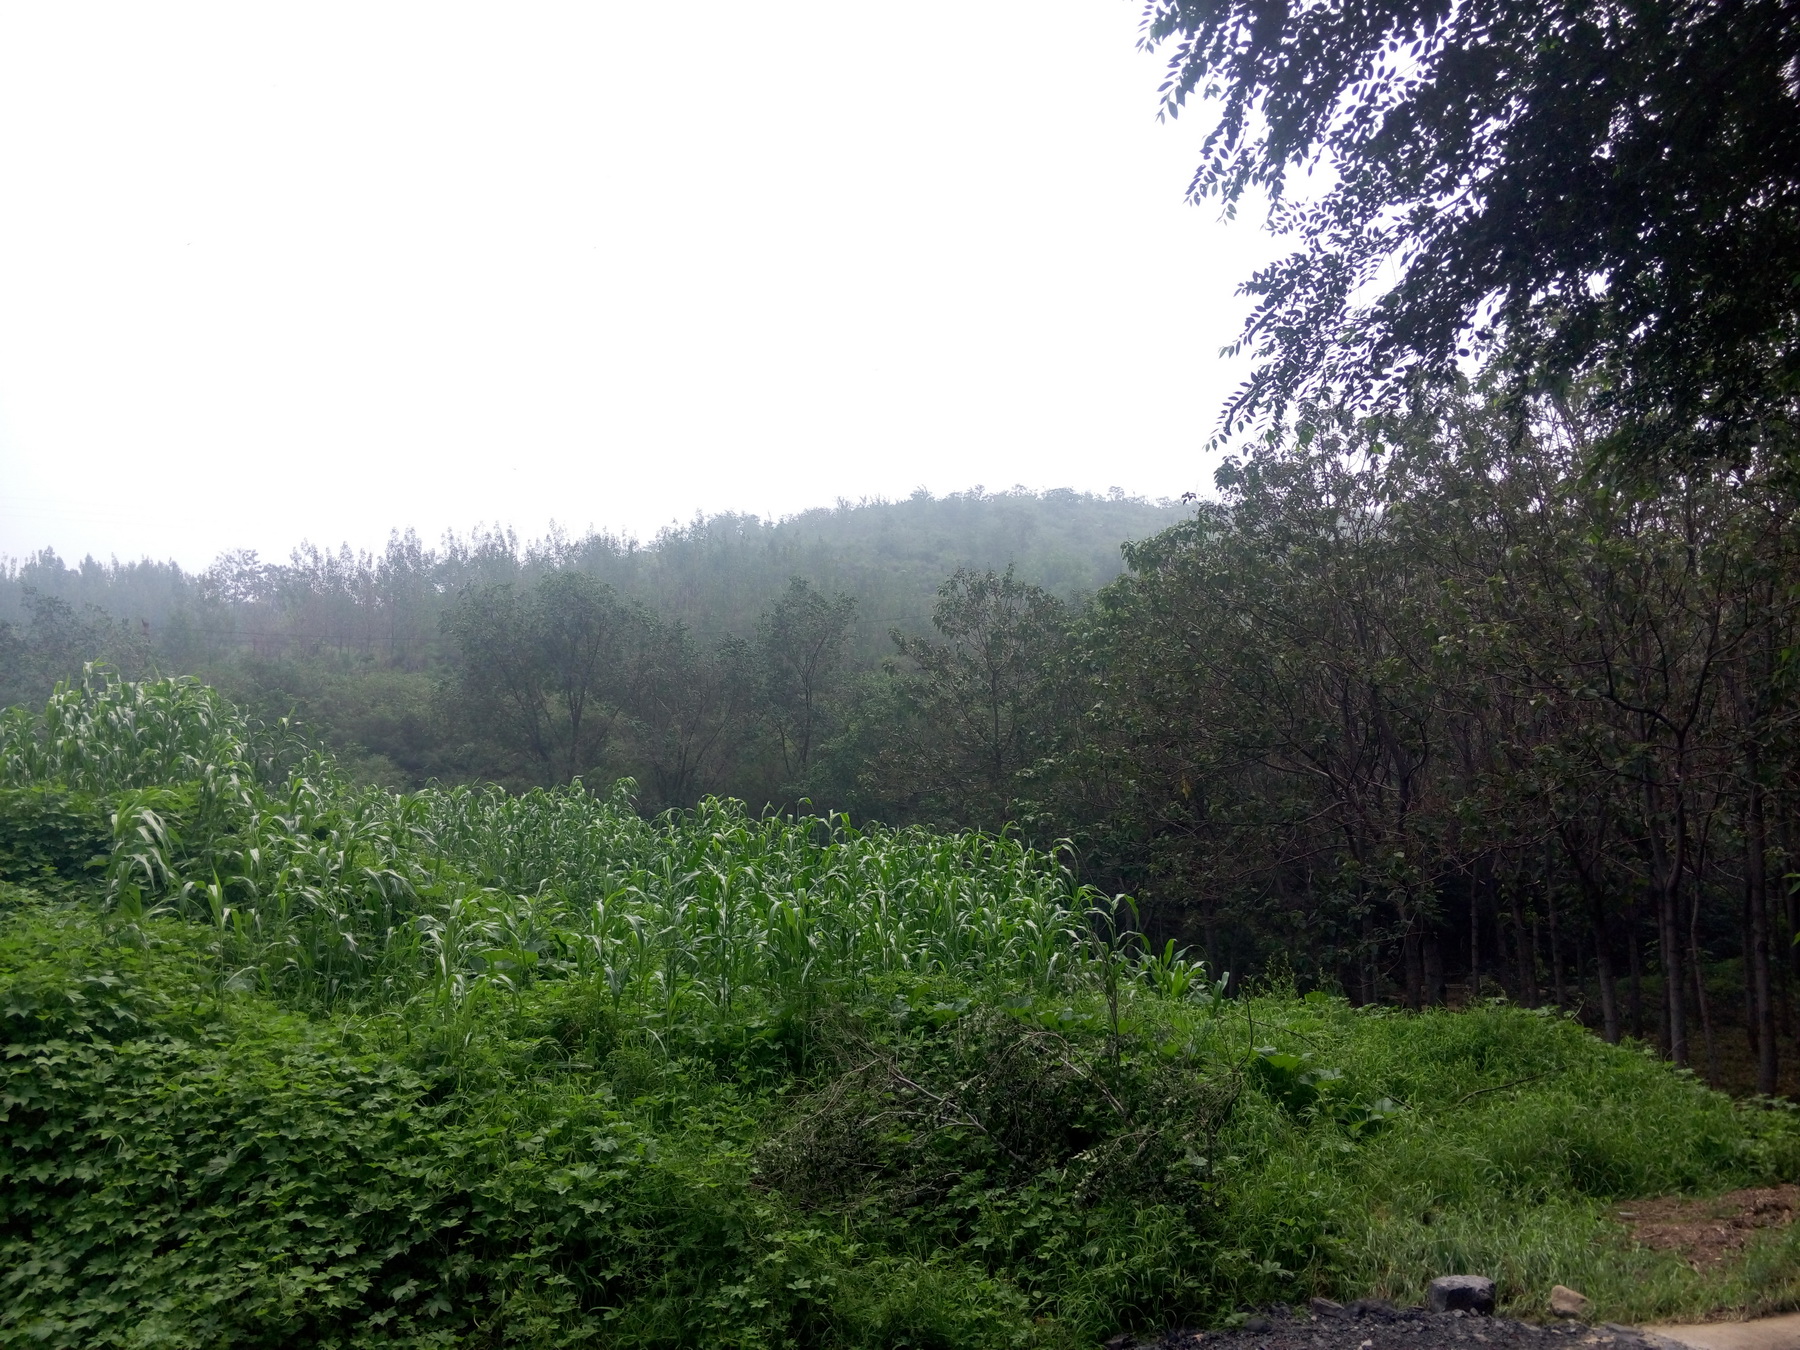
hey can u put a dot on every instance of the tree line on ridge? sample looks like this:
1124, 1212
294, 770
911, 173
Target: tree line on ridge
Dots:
1418, 707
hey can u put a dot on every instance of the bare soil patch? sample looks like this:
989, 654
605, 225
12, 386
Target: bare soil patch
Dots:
1707, 1233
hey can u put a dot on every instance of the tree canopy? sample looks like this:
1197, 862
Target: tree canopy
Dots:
1601, 191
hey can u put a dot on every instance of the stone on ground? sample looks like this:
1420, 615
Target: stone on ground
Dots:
1567, 1302
1462, 1293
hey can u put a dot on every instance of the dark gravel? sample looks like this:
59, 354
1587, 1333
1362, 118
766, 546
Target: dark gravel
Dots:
1371, 1324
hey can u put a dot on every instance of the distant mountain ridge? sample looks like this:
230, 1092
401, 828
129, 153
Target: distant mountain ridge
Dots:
716, 574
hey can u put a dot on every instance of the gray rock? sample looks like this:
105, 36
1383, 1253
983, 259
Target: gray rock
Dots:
1324, 1307
1470, 1293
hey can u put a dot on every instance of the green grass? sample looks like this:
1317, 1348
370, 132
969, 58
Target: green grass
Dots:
295, 1062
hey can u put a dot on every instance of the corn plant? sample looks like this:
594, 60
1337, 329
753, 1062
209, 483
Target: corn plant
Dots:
448, 897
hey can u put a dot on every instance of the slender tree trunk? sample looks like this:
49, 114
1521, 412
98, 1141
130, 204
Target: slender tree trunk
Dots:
1526, 950
1556, 961
1670, 944
1475, 885
1366, 963
1745, 943
1634, 951
1790, 928
1550, 917
1578, 981
1790, 904
1701, 1001
1668, 921
1756, 888
1784, 985
1434, 968
1603, 970
1412, 958
1588, 879
1783, 941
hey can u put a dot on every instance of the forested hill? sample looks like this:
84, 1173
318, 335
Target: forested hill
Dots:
475, 659
719, 574
1413, 711
716, 575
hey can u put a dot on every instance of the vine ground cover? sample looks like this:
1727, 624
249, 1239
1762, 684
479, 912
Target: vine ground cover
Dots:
289, 1062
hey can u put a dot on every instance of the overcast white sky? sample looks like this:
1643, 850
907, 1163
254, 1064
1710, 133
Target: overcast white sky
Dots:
319, 270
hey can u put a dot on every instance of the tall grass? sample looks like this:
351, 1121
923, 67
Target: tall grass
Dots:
314, 1064
361, 897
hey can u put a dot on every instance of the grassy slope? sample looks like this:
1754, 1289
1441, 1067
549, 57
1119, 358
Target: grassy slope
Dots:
186, 1164
291, 1062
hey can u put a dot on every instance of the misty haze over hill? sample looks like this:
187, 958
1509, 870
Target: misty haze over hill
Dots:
364, 647
715, 574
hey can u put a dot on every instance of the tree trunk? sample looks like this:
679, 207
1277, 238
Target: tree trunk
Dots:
1701, 1001
1790, 929
1526, 950
1745, 942
1475, 886
1634, 950
1603, 969
1756, 897
1782, 941
1667, 883
1556, 970
1578, 973
1668, 922
1556, 961
1587, 878
1365, 960
1665, 875
1412, 958
1434, 968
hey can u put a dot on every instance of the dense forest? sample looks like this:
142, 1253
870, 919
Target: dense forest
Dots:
362, 647
292, 1061
1412, 704
1003, 920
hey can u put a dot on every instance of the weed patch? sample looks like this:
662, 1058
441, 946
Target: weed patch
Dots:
306, 1063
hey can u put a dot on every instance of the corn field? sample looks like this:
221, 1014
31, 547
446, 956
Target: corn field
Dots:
352, 897
294, 1061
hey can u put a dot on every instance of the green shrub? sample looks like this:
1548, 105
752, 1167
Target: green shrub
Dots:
52, 840
325, 1065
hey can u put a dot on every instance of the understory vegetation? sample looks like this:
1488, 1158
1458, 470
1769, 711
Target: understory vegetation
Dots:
1425, 708
344, 1004
382, 653
291, 1061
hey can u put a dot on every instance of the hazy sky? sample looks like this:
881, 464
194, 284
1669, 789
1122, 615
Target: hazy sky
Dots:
318, 270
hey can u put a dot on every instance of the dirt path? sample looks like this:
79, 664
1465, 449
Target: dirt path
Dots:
1762, 1333
1708, 1232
